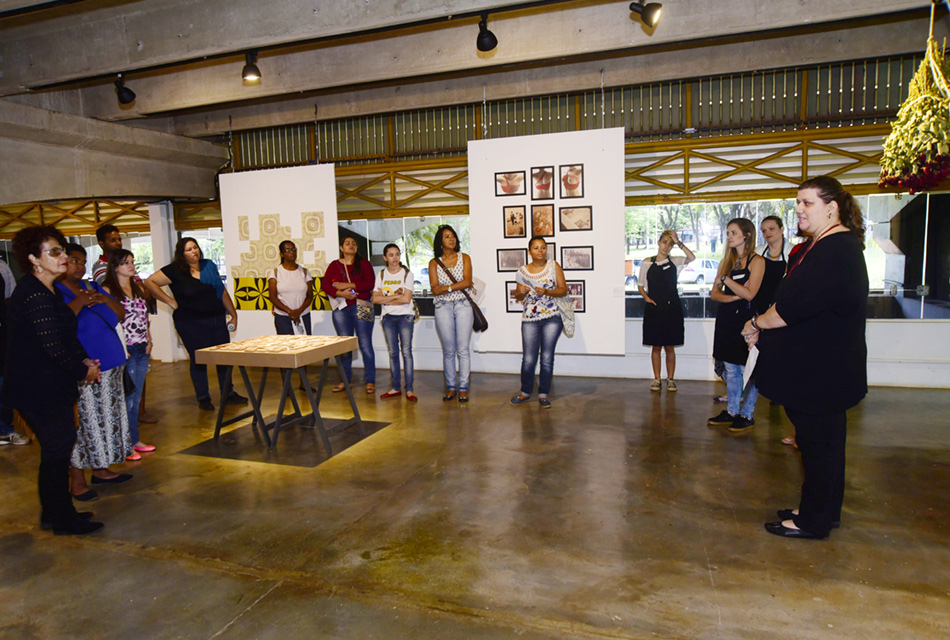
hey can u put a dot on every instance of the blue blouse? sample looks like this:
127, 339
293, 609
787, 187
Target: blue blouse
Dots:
97, 329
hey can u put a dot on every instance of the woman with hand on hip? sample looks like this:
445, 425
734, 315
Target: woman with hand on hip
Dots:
663, 324
394, 294
349, 284
203, 313
45, 361
538, 283
290, 290
740, 275
120, 283
819, 314
453, 312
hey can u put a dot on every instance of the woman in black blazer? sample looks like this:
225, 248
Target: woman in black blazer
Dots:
44, 362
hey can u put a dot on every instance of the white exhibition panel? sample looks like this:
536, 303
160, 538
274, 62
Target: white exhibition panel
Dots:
260, 209
597, 239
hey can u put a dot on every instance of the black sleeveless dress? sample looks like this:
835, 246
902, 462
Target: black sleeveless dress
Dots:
663, 323
774, 272
728, 343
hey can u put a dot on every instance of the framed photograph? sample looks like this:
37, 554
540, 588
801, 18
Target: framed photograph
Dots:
542, 220
576, 218
572, 180
552, 251
542, 183
510, 184
577, 258
515, 224
511, 305
576, 292
512, 259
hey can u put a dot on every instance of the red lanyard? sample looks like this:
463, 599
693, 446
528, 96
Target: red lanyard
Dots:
809, 247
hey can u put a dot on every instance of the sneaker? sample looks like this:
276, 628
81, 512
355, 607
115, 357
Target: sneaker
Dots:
519, 399
205, 404
655, 385
236, 398
741, 424
15, 439
670, 385
722, 420
721, 399
545, 403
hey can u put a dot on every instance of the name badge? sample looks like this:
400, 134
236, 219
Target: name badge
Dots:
740, 277
665, 267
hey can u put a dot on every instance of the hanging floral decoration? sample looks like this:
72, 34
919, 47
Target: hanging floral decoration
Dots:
917, 152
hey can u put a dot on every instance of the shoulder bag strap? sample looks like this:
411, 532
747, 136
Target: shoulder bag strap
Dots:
449, 274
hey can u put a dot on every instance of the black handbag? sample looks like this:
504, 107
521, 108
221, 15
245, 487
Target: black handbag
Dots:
479, 323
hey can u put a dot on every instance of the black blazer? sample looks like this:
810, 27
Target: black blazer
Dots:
44, 357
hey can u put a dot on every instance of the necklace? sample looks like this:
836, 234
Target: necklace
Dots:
812, 244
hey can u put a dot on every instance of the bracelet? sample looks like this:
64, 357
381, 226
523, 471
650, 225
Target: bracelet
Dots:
755, 325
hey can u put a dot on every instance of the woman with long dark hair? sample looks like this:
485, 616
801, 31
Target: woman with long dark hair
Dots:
394, 295
349, 284
44, 363
121, 284
453, 312
740, 275
203, 313
819, 313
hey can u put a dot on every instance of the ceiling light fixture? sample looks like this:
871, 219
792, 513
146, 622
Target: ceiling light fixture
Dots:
125, 95
250, 73
649, 13
486, 40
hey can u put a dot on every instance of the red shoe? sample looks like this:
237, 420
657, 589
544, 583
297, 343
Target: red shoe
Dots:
135, 457
144, 448
390, 394
411, 397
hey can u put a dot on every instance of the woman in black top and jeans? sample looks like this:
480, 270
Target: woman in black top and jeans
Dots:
819, 313
44, 362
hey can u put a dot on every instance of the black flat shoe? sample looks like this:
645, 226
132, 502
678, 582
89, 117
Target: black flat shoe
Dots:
778, 529
205, 404
236, 398
463, 399
786, 514
122, 477
449, 397
46, 525
86, 496
78, 528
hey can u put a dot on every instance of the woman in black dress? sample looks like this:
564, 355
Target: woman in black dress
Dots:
662, 312
200, 304
740, 275
776, 261
44, 362
819, 313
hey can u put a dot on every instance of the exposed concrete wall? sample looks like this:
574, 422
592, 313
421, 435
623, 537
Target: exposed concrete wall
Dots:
53, 156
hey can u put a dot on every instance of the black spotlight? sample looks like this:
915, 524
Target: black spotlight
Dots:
250, 73
486, 40
126, 95
649, 13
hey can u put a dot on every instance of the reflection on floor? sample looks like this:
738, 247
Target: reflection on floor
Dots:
616, 514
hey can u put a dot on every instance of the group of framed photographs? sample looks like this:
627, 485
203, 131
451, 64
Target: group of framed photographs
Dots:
517, 224
515, 183
576, 291
572, 258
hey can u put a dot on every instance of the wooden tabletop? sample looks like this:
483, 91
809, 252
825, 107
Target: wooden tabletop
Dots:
286, 352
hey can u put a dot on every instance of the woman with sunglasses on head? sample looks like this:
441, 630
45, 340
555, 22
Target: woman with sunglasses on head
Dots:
349, 284
120, 283
44, 363
450, 273
290, 290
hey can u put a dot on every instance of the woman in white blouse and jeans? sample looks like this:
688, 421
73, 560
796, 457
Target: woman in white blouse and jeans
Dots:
538, 283
394, 295
290, 290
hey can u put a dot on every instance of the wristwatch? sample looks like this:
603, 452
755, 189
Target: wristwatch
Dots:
722, 279
450, 288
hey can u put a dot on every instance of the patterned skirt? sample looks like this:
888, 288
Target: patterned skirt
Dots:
103, 437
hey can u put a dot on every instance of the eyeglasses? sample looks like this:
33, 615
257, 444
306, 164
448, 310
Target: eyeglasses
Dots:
289, 250
54, 252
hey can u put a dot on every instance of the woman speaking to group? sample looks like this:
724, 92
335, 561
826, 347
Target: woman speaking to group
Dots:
819, 314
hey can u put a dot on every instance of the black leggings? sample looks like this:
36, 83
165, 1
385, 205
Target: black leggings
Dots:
821, 440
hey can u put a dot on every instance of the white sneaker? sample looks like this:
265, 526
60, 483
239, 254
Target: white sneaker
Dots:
670, 385
15, 439
655, 385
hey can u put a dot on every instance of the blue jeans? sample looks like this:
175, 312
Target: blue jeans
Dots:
137, 366
539, 335
346, 324
734, 392
285, 327
398, 331
453, 323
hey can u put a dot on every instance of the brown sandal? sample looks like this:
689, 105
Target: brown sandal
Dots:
340, 387
370, 388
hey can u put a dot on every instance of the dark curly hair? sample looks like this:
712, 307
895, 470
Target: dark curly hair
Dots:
437, 242
29, 242
849, 212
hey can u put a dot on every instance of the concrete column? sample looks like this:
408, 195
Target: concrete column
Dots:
165, 344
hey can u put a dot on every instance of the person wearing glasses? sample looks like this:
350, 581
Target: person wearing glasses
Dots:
290, 290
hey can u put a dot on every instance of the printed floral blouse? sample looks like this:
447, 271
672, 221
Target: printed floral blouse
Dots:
538, 307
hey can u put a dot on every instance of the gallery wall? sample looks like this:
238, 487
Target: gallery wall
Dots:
567, 187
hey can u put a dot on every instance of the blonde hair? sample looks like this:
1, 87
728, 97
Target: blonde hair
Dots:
668, 232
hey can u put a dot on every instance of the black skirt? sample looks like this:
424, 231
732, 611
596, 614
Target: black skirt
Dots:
663, 324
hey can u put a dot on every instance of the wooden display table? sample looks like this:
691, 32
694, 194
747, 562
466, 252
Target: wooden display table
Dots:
289, 353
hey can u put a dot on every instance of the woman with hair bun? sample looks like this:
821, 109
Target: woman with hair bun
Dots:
819, 313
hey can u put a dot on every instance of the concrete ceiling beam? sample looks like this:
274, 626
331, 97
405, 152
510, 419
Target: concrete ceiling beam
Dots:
872, 41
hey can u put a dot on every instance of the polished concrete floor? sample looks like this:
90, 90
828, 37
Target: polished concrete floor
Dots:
618, 514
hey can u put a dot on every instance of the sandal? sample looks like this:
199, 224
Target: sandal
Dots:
340, 387
411, 397
448, 397
370, 388
790, 440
